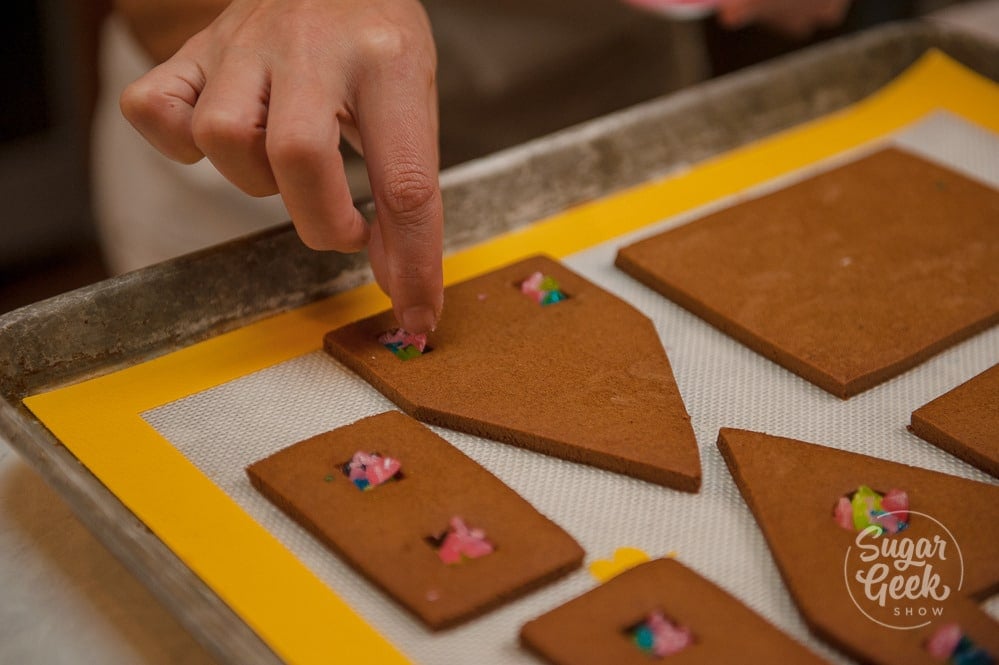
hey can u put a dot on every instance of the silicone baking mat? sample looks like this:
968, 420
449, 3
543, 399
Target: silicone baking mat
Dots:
171, 437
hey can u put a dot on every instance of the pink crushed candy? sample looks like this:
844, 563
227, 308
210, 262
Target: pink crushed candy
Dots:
896, 501
668, 639
403, 339
660, 637
461, 541
843, 513
531, 287
950, 644
368, 470
944, 641
542, 289
890, 523
382, 470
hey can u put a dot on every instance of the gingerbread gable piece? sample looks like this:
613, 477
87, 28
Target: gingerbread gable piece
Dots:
947, 545
583, 377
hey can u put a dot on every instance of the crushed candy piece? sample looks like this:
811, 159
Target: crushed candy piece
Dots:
897, 502
369, 470
844, 513
462, 543
531, 287
403, 344
552, 297
549, 284
543, 289
644, 638
888, 513
660, 637
944, 641
888, 522
864, 501
949, 644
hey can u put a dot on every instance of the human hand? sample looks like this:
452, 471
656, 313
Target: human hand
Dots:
795, 18
267, 91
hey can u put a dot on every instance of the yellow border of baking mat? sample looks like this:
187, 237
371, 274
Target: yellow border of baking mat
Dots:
301, 619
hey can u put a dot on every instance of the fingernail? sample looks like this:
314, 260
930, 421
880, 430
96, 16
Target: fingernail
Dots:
419, 319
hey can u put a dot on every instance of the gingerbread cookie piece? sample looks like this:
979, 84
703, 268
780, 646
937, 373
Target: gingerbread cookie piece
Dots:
654, 611
882, 559
848, 278
965, 421
536, 356
436, 531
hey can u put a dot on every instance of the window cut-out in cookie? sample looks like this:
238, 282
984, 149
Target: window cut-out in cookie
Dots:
381, 532
950, 645
460, 542
659, 637
369, 470
586, 380
865, 508
543, 289
404, 345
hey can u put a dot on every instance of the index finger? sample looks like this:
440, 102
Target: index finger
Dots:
397, 119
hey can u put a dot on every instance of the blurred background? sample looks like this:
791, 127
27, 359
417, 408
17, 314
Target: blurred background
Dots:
50, 81
48, 76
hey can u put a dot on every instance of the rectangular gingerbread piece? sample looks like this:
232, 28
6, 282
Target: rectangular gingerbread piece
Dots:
847, 278
965, 421
599, 627
436, 531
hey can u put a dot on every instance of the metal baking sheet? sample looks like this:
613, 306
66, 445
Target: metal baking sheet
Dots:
150, 313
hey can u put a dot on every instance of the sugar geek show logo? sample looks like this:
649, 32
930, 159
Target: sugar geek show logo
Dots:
904, 580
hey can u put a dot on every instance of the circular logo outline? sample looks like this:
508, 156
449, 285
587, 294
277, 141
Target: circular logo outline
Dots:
846, 574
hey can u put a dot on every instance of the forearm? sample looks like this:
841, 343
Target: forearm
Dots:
162, 26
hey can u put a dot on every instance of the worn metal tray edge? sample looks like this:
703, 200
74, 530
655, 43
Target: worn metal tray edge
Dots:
153, 311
